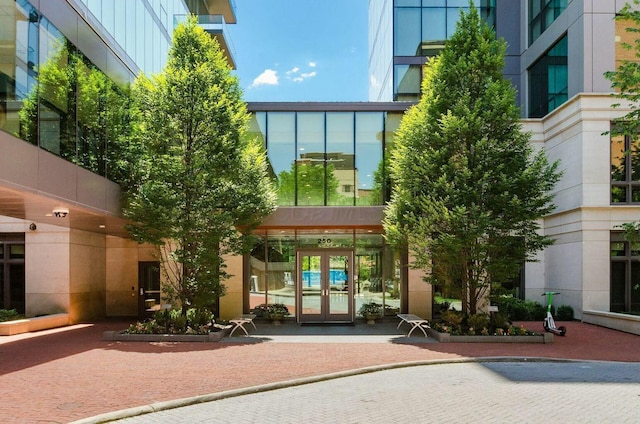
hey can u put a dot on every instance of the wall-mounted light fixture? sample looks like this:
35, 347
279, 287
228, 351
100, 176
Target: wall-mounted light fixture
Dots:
60, 212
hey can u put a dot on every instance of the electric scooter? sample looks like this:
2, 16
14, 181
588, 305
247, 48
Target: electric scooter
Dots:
549, 324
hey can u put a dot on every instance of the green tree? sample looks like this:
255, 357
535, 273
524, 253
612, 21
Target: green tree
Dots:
202, 183
625, 80
467, 187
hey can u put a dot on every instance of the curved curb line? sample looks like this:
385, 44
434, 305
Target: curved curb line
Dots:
178, 403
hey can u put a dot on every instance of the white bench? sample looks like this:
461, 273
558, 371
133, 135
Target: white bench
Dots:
415, 322
239, 322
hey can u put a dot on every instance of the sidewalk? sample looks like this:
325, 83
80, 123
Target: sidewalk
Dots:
67, 374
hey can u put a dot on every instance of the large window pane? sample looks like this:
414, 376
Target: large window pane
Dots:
282, 155
310, 172
548, 81
618, 277
340, 166
434, 24
407, 80
369, 131
407, 33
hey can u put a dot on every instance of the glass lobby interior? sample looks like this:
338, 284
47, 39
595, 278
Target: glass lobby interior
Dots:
325, 275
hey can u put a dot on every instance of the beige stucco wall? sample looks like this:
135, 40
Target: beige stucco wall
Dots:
420, 294
231, 303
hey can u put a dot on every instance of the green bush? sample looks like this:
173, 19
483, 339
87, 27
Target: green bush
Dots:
9, 315
521, 310
453, 318
500, 320
565, 313
478, 322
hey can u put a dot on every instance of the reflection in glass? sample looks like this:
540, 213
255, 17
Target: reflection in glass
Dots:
311, 161
281, 139
338, 284
369, 132
340, 158
281, 270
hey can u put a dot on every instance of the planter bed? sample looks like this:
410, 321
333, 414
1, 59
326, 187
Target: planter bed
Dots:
448, 338
27, 325
124, 337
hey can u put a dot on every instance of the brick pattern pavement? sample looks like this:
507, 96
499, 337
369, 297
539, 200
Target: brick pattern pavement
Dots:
533, 392
68, 374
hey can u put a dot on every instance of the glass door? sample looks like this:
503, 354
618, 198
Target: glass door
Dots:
325, 289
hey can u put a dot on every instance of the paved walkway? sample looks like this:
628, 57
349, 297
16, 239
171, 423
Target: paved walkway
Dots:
502, 392
69, 374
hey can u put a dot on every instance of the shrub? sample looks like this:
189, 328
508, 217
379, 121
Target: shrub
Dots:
500, 320
478, 322
9, 315
565, 313
453, 318
521, 310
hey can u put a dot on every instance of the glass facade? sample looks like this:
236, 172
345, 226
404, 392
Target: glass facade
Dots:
549, 80
420, 29
55, 96
327, 158
625, 276
142, 28
542, 13
273, 277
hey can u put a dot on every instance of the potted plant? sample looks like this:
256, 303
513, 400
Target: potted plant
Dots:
370, 311
276, 312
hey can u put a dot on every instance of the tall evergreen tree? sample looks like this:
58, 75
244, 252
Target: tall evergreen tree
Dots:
202, 184
468, 188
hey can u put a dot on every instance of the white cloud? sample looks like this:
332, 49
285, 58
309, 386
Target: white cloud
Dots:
268, 77
293, 71
312, 64
309, 74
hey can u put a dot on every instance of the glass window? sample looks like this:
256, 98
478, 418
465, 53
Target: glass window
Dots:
407, 32
625, 276
542, 13
407, 79
434, 24
548, 81
310, 163
281, 134
625, 170
369, 133
340, 166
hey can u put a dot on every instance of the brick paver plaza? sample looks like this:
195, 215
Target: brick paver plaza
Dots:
69, 374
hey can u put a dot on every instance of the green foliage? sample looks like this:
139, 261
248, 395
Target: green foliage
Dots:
370, 308
9, 315
564, 313
202, 184
312, 183
173, 321
453, 318
468, 187
477, 322
625, 80
521, 310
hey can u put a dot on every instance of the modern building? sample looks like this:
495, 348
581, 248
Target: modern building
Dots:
322, 253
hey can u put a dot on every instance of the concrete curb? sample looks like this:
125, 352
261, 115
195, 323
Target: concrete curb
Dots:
178, 403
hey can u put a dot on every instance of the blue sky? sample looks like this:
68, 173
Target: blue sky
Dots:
302, 50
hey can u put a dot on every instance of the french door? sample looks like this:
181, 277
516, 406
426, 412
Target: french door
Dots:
325, 285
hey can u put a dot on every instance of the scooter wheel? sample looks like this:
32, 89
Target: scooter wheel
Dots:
562, 329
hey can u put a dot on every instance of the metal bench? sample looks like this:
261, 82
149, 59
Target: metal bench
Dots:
415, 322
239, 322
